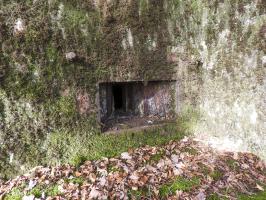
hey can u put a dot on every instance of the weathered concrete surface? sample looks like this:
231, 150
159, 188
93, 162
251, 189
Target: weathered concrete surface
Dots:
52, 58
225, 42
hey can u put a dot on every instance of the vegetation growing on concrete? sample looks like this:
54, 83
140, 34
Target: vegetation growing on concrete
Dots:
216, 56
40, 87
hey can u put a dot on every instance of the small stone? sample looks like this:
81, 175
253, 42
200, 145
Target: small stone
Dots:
70, 56
134, 188
30, 197
200, 196
161, 164
126, 156
94, 194
19, 26
175, 158
102, 181
32, 184
150, 122
134, 177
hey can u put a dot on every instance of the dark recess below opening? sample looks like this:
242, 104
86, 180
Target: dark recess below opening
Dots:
118, 96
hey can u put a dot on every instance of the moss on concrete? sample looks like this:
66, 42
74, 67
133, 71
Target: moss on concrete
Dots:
215, 49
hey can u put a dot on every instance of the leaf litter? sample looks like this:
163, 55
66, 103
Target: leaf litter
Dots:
171, 171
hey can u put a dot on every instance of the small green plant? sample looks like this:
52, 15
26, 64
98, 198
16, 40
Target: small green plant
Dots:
215, 197
180, 183
134, 194
156, 157
204, 169
139, 193
216, 175
190, 150
15, 194
52, 191
258, 196
74, 18
112, 168
36, 191
232, 164
76, 180
78, 160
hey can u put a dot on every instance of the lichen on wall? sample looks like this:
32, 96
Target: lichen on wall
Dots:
226, 41
53, 53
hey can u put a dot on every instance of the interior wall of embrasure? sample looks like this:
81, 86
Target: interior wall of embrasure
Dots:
215, 49
150, 99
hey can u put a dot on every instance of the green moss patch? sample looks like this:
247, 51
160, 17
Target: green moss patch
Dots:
188, 119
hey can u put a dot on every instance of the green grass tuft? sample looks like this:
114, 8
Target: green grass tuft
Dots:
180, 183
258, 196
190, 150
15, 194
77, 148
204, 169
134, 194
215, 197
52, 191
156, 157
216, 175
232, 164
112, 168
36, 191
139, 193
76, 180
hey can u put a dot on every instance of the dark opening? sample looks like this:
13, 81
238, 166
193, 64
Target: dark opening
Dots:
131, 104
118, 97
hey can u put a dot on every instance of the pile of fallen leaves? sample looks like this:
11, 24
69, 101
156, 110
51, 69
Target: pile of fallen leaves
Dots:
184, 169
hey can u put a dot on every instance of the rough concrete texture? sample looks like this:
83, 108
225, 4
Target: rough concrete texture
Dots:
226, 41
53, 54
217, 49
